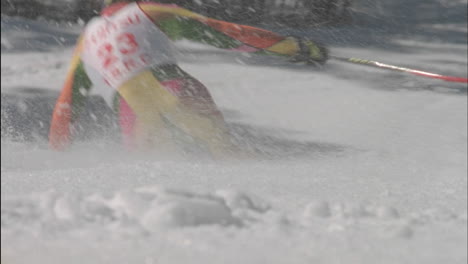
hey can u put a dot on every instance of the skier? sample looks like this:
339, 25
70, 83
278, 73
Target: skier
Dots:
128, 49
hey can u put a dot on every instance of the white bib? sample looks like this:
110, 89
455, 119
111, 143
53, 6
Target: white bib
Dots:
120, 46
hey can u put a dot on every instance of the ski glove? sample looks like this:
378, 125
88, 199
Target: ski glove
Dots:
310, 52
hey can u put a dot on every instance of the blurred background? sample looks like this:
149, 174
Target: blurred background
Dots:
287, 12
291, 13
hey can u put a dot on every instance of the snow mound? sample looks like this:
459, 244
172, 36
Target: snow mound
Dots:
156, 208
179, 225
149, 208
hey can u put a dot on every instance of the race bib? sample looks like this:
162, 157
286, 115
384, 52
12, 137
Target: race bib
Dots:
122, 45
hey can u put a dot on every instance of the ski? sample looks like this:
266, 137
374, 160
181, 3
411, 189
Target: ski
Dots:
401, 69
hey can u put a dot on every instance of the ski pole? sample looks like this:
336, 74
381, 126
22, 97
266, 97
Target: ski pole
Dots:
401, 69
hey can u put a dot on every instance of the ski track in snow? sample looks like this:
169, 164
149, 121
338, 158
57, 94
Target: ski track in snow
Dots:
355, 165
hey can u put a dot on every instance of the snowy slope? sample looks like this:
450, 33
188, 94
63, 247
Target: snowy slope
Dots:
359, 165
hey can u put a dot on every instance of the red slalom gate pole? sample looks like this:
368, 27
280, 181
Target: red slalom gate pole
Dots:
401, 69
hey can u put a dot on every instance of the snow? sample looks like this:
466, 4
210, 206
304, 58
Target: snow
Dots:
355, 164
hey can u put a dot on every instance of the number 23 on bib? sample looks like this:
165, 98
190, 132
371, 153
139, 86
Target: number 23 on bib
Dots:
122, 45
